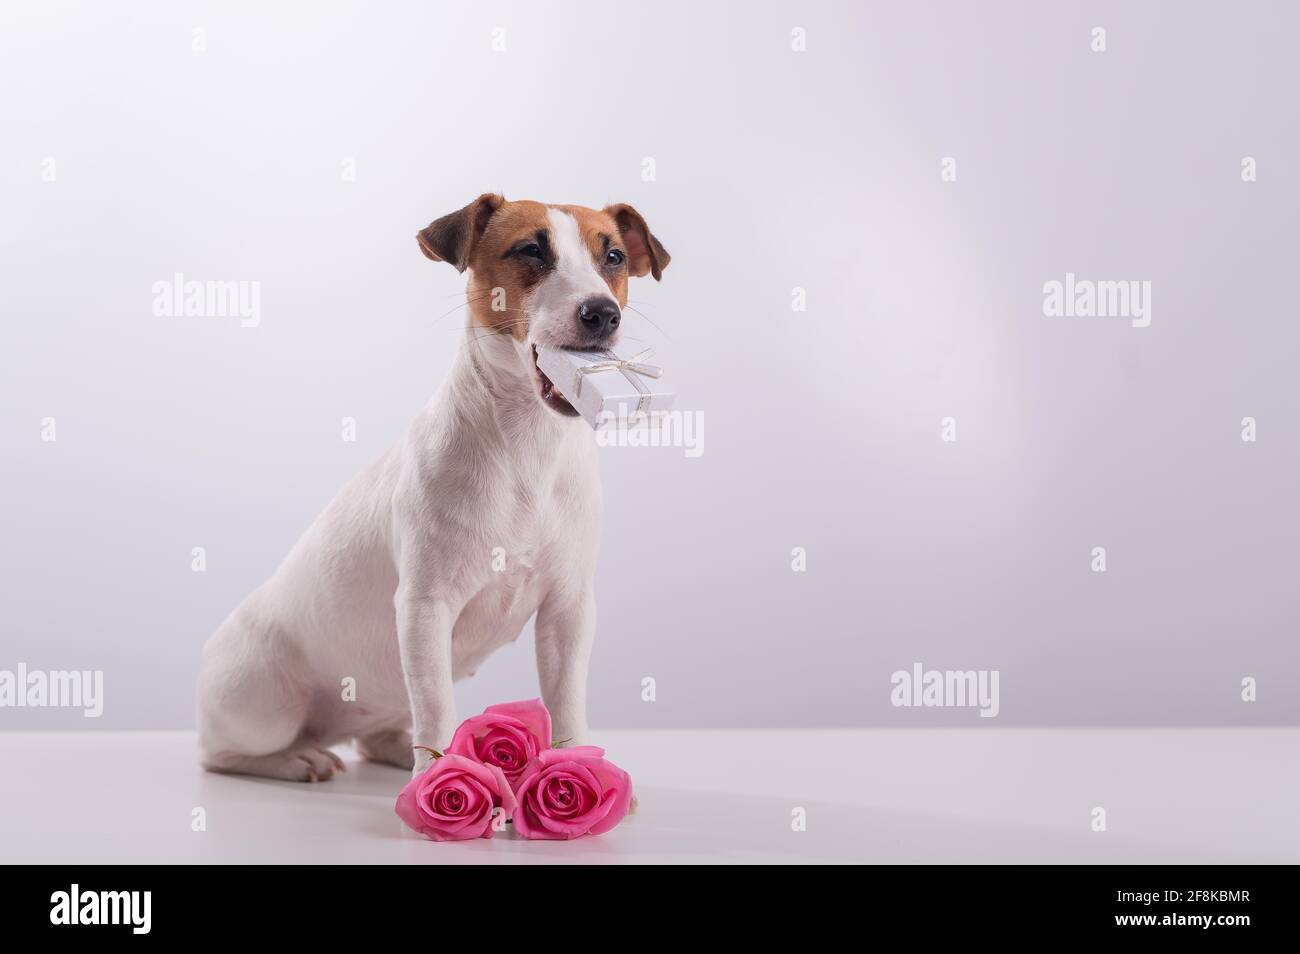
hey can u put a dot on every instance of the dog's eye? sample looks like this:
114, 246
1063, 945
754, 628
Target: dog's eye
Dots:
531, 250
614, 259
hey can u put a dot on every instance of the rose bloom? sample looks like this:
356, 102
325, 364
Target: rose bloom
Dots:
507, 736
454, 798
565, 793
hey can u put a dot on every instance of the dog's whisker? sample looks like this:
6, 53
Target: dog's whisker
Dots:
652, 323
496, 334
509, 323
504, 327
480, 330
473, 301
452, 312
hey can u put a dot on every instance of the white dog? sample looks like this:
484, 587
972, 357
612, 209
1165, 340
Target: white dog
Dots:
394, 585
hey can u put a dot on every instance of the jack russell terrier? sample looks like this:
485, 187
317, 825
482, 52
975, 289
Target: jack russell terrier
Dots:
393, 585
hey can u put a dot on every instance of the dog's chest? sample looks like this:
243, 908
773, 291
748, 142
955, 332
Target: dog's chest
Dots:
535, 534
514, 576
497, 613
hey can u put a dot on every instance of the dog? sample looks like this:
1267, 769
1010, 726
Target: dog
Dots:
397, 588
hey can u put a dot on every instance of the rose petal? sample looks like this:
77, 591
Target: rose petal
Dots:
577, 752
532, 714
619, 800
604, 794
565, 796
474, 795
508, 747
424, 805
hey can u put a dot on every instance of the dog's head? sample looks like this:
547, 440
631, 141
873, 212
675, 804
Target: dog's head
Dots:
548, 275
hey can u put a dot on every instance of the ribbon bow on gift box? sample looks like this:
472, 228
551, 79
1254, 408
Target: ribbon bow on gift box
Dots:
630, 367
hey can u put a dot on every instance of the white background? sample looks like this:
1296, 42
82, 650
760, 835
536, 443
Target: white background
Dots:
775, 169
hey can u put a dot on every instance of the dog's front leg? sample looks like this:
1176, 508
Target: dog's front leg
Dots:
424, 627
566, 626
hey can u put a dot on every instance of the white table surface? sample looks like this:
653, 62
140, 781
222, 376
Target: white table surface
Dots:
884, 795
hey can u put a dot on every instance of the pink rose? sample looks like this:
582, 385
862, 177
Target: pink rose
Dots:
454, 799
507, 736
564, 793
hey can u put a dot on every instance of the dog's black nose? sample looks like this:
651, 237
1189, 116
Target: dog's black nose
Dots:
599, 316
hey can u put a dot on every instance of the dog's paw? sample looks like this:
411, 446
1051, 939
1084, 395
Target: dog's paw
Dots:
298, 763
319, 763
305, 763
388, 748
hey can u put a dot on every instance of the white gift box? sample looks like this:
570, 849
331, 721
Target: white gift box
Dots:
599, 383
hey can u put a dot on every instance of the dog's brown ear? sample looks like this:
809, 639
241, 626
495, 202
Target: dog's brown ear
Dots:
644, 251
452, 238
